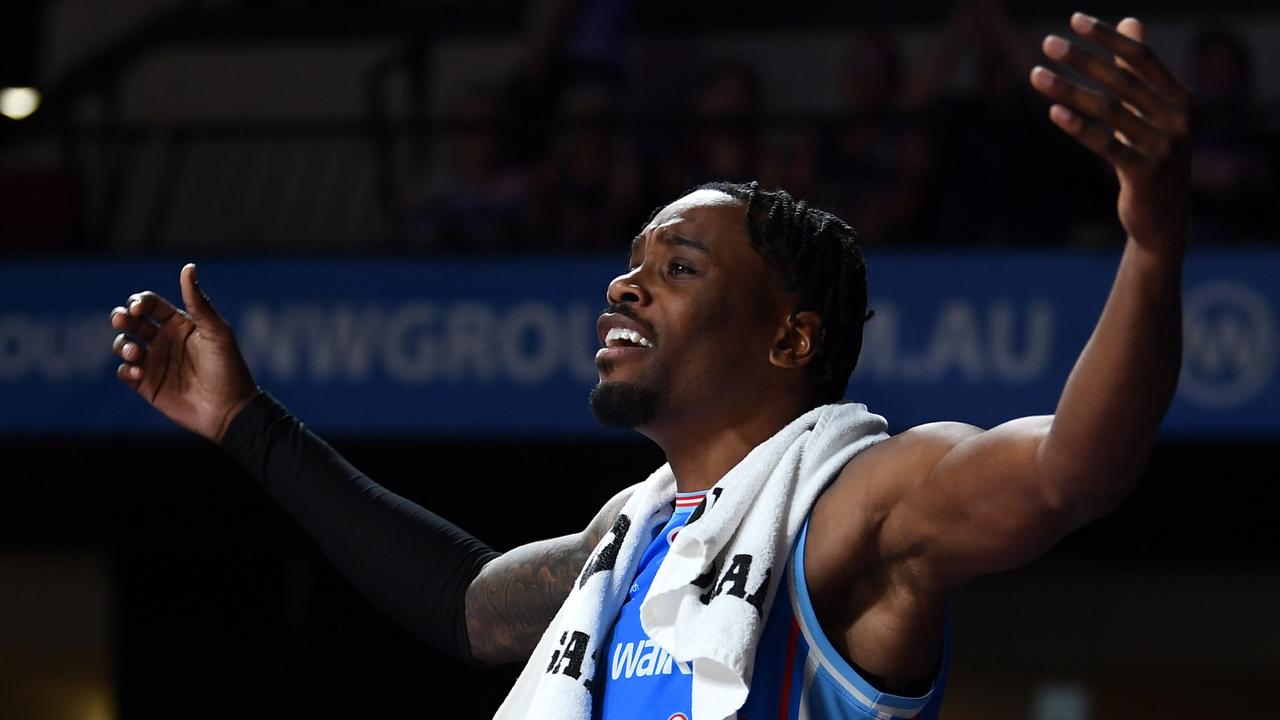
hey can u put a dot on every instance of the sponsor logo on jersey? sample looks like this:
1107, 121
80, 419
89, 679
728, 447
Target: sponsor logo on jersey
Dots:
642, 659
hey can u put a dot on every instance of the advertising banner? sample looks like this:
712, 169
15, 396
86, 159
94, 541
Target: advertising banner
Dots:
410, 346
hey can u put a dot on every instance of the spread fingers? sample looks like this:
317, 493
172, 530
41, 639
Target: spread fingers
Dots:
1106, 109
1097, 138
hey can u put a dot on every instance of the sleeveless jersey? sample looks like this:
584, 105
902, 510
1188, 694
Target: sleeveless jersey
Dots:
798, 673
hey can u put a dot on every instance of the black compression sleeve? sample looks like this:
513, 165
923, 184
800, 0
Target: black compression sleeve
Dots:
412, 564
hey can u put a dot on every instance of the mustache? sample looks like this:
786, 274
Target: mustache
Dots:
626, 311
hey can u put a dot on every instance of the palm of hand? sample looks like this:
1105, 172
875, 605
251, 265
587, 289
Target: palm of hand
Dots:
1138, 120
177, 382
185, 364
1153, 199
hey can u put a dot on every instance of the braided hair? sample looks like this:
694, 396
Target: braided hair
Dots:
819, 255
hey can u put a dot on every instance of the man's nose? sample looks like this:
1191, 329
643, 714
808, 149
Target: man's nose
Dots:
628, 288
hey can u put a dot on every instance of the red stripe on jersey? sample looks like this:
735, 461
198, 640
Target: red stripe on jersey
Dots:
784, 705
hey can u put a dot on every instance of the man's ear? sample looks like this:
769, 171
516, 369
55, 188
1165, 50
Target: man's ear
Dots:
797, 340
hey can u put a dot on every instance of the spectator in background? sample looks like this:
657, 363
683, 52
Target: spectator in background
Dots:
1235, 166
875, 164
496, 146
993, 141
589, 188
477, 202
724, 141
567, 42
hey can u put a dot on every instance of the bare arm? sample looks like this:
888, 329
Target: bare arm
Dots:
514, 598
1015, 490
1000, 498
943, 503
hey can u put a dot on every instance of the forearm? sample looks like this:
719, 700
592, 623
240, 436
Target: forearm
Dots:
1109, 414
513, 600
515, 597
410, 563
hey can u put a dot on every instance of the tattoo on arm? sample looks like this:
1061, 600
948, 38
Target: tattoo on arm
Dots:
514, 598
511, 601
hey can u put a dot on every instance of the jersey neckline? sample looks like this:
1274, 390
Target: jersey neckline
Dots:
687, 501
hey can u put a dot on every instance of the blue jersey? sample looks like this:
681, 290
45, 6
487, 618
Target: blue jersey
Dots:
797, 673
635, 678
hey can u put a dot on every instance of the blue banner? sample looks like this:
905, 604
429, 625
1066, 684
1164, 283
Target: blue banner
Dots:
463, 348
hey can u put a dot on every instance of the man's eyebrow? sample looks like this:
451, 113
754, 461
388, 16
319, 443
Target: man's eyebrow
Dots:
673, 239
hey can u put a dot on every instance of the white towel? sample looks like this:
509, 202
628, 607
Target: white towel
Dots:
710, 597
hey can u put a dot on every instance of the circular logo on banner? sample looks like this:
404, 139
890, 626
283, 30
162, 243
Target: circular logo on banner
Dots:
679, 716
1229, 345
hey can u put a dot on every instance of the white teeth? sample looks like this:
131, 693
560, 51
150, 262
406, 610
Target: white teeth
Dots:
626, 334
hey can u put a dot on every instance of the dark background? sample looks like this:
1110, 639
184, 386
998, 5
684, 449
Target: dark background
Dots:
222, 606
146, 577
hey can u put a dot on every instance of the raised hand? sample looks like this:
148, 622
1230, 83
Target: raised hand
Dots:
1138, 121
185, 363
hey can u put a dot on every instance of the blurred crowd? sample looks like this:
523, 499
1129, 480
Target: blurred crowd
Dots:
921, 136
570, 155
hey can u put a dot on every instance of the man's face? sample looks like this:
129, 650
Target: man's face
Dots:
692, 320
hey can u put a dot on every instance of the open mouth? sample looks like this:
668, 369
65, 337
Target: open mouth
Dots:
625, 337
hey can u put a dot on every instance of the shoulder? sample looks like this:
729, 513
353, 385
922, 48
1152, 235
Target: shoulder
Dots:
936, 434
874, 478
850, 514
899, 461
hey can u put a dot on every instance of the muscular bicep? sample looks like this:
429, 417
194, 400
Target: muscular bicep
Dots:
923, 512
515, 596
983, 506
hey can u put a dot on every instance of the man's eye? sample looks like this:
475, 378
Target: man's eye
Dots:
676, 267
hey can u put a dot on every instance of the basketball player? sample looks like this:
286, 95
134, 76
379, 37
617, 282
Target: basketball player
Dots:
740, 310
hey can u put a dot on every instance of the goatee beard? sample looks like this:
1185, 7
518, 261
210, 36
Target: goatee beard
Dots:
625, 405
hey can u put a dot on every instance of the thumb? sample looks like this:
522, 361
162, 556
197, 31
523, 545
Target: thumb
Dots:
198, 305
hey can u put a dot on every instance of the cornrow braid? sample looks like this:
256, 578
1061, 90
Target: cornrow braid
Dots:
820, 256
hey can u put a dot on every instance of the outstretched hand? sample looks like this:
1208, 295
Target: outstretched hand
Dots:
185, 363
1138, 121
